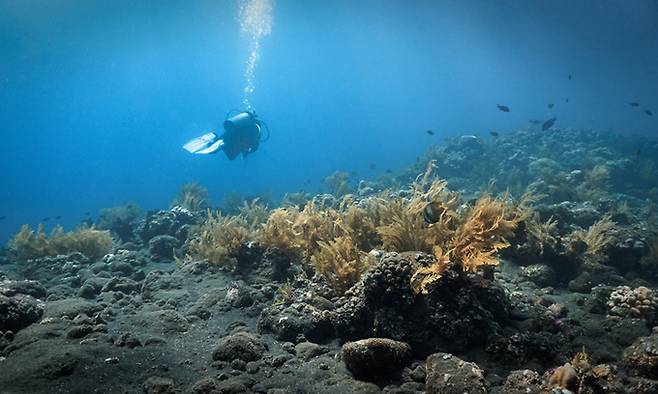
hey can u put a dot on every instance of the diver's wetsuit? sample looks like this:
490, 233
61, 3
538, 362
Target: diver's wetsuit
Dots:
238, 140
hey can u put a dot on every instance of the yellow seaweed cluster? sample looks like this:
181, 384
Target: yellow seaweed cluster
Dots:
219, 239
31, 244
192, 197
597, 238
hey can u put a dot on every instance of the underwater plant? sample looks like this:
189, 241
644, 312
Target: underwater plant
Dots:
255, 213
192, 197
481, 233
597, 238
541, 234
338, 183
119, 220
296, 199
219, 240
30, 244
340, 262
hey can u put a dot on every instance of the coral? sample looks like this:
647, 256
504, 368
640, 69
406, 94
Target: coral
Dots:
564, 377
340, 262
338, 183
119, 220
598, 238
278, 230
639, 302
29, 244
192, 197
219, 239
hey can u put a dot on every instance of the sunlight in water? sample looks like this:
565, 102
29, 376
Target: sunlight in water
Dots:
255, 22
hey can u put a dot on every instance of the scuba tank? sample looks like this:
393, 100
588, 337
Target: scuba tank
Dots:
245, 119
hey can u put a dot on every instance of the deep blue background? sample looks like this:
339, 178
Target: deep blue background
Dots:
97, 97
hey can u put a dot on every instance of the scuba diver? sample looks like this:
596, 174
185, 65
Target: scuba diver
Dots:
242, 134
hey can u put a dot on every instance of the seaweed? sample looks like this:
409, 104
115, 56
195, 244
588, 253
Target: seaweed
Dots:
338, 183
340, 262
541, 234
192, 197
30, 244
597, 238
255, 213
219, 240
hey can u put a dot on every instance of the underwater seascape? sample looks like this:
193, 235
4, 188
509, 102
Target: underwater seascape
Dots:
279, 196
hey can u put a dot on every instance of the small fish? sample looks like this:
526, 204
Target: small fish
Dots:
569, 77
638, 153
430, 132
57, 217
494, 134
566, 100
432, 212
2, 217
307, 181
551, 105
634, 104
548, 124
87, 213
646, 111
389, 171
503, 108
45, 219
534, 121
372, 166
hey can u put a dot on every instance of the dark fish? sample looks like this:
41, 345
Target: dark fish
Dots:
503, 108
430, 132
646, 111
569, 77
307, 181
551, 105
638, 153
534, 121
494, 134
566, 100
432, 212
372, 166
548, 124
57, 217
634, 104
388, 171
45, 219
2, 217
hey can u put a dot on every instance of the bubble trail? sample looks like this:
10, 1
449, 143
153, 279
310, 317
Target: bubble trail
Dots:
255, 23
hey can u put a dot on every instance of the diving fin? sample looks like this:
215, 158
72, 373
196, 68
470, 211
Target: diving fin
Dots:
207, 143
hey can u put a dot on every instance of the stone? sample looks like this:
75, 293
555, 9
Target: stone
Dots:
375, 358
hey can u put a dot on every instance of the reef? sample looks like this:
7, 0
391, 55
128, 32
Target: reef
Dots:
521, 263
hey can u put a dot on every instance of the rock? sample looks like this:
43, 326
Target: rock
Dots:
308, 350
26, 287
641, 358
375, 358
448, 374
19, 311
238, 295
79, 331
71, 307
159, 385
242, 345
521, 382
540, 274
122, 284
162, 247
174, 222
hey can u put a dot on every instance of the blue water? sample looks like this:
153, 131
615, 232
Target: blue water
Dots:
97, 97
